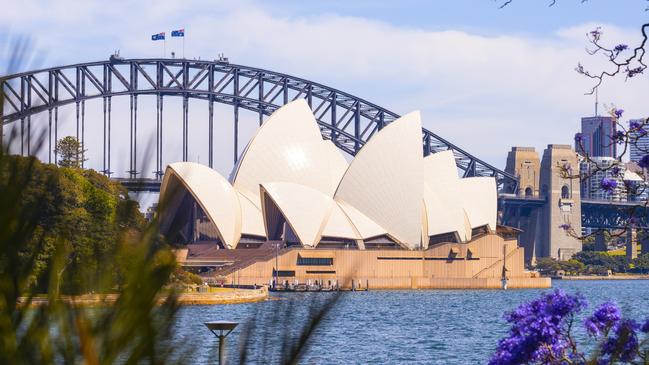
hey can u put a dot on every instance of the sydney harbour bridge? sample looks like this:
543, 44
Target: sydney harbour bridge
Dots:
347, 120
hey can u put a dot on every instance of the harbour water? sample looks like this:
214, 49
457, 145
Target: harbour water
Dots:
387, 327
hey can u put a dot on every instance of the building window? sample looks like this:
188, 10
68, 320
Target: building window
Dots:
565, 192
284, 273
314, 261
528, 192
442, 238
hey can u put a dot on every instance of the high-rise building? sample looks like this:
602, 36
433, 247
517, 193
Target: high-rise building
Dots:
597, 169
596, 137
639, 140
637, 186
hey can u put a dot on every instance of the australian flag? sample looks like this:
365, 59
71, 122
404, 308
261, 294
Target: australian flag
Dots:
178, 33
158, 37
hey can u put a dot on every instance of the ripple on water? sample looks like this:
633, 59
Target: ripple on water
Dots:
404, 327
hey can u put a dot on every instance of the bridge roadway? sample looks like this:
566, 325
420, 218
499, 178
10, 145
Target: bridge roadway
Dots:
600, 214
140, 185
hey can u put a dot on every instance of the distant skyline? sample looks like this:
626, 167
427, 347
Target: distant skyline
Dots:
484, 78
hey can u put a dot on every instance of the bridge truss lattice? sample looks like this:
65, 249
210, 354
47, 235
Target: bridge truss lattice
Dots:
348, 121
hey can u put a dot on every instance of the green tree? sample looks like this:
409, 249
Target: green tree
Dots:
641, 264
572, 267
547, 265
597, 261
70, 152
84, 210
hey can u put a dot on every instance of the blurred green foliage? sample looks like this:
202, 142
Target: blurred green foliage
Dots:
71, 231
84, 210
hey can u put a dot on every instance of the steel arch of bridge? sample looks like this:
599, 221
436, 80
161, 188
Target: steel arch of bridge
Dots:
346, 120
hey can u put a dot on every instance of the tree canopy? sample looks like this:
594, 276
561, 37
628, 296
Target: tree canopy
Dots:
70, 152
81, 208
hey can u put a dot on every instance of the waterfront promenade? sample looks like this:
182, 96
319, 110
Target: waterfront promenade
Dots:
215, 297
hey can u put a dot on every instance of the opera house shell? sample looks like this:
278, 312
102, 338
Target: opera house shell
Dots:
291, 185
294, 211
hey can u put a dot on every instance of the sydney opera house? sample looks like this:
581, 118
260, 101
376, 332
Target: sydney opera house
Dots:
294, 207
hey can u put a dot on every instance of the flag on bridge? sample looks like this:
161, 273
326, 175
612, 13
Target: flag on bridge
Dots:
178, 33
158, 37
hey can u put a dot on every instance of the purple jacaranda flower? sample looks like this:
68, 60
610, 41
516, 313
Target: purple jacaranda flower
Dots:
645, 326
540, 333
605, 317
620, 47
608, 185
630, 72
623, 343
565, 226
615, 170
618, 112
579, 138
537, 328
635, 125
644, 162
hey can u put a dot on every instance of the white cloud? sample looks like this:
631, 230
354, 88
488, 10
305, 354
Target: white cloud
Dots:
484, 93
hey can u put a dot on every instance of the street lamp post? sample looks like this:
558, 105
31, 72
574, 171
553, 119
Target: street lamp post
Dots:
276, 266
221, 329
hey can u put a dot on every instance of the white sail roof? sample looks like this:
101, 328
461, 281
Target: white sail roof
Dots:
338, 225
252, 220
288, 147
288, 172
385, 180
337, 164
443, 197
480, 197
365, 227
213, 193
305, 209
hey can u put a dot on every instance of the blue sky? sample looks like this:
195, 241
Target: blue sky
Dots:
485, 78
480, 16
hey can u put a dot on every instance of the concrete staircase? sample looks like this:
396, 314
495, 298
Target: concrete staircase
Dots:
229, 261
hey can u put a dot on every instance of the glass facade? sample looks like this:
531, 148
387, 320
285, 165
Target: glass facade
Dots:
596, 137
